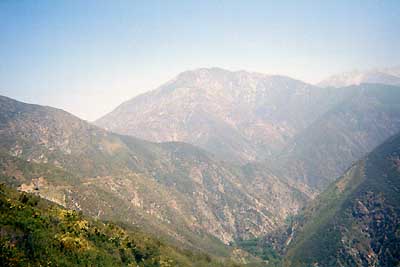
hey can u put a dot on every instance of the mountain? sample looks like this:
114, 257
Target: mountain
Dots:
36, 232
238, 115
390, 76
347, 132
355, 222
301, 132
174, 190
241, 184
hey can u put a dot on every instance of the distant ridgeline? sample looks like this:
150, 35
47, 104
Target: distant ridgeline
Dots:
303, 132
260, 148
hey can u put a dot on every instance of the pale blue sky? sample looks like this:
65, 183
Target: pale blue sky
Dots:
88, 56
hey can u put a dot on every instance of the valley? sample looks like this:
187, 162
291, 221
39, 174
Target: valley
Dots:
199, 133
241, 167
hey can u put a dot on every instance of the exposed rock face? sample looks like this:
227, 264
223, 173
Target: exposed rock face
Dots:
373, 236
236, 115
173, 189
302, 132
281, 140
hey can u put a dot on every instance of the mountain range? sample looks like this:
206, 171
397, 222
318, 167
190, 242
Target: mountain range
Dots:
173, 189
242, 166
307, 133
235, 115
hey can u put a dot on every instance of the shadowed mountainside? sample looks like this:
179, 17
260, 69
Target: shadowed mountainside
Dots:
323, 151
355, 222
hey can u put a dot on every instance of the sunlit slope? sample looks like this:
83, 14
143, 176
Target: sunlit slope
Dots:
238, 115
36, 232
173, 189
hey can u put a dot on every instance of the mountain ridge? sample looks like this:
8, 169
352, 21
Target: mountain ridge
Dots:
355, 221
324, 150
389, 76
254, 118
226, 113
174, 189
36, 232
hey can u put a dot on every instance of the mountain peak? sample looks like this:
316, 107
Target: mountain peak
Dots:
218, 71
214, 73
212, 106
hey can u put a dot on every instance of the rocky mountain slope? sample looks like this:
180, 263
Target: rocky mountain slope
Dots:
389, 76
304, 133
173, 189
355, 222
235, 115
323, 151
35, 232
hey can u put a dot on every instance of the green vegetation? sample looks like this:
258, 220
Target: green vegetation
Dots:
36, 232
259, 249
358, 213
174, 190
190, 200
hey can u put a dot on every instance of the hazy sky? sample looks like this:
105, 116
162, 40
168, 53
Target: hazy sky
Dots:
88, 56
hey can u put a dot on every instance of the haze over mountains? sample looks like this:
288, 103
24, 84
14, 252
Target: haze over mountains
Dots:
244, 115
390, 76
313, 134
214, 158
